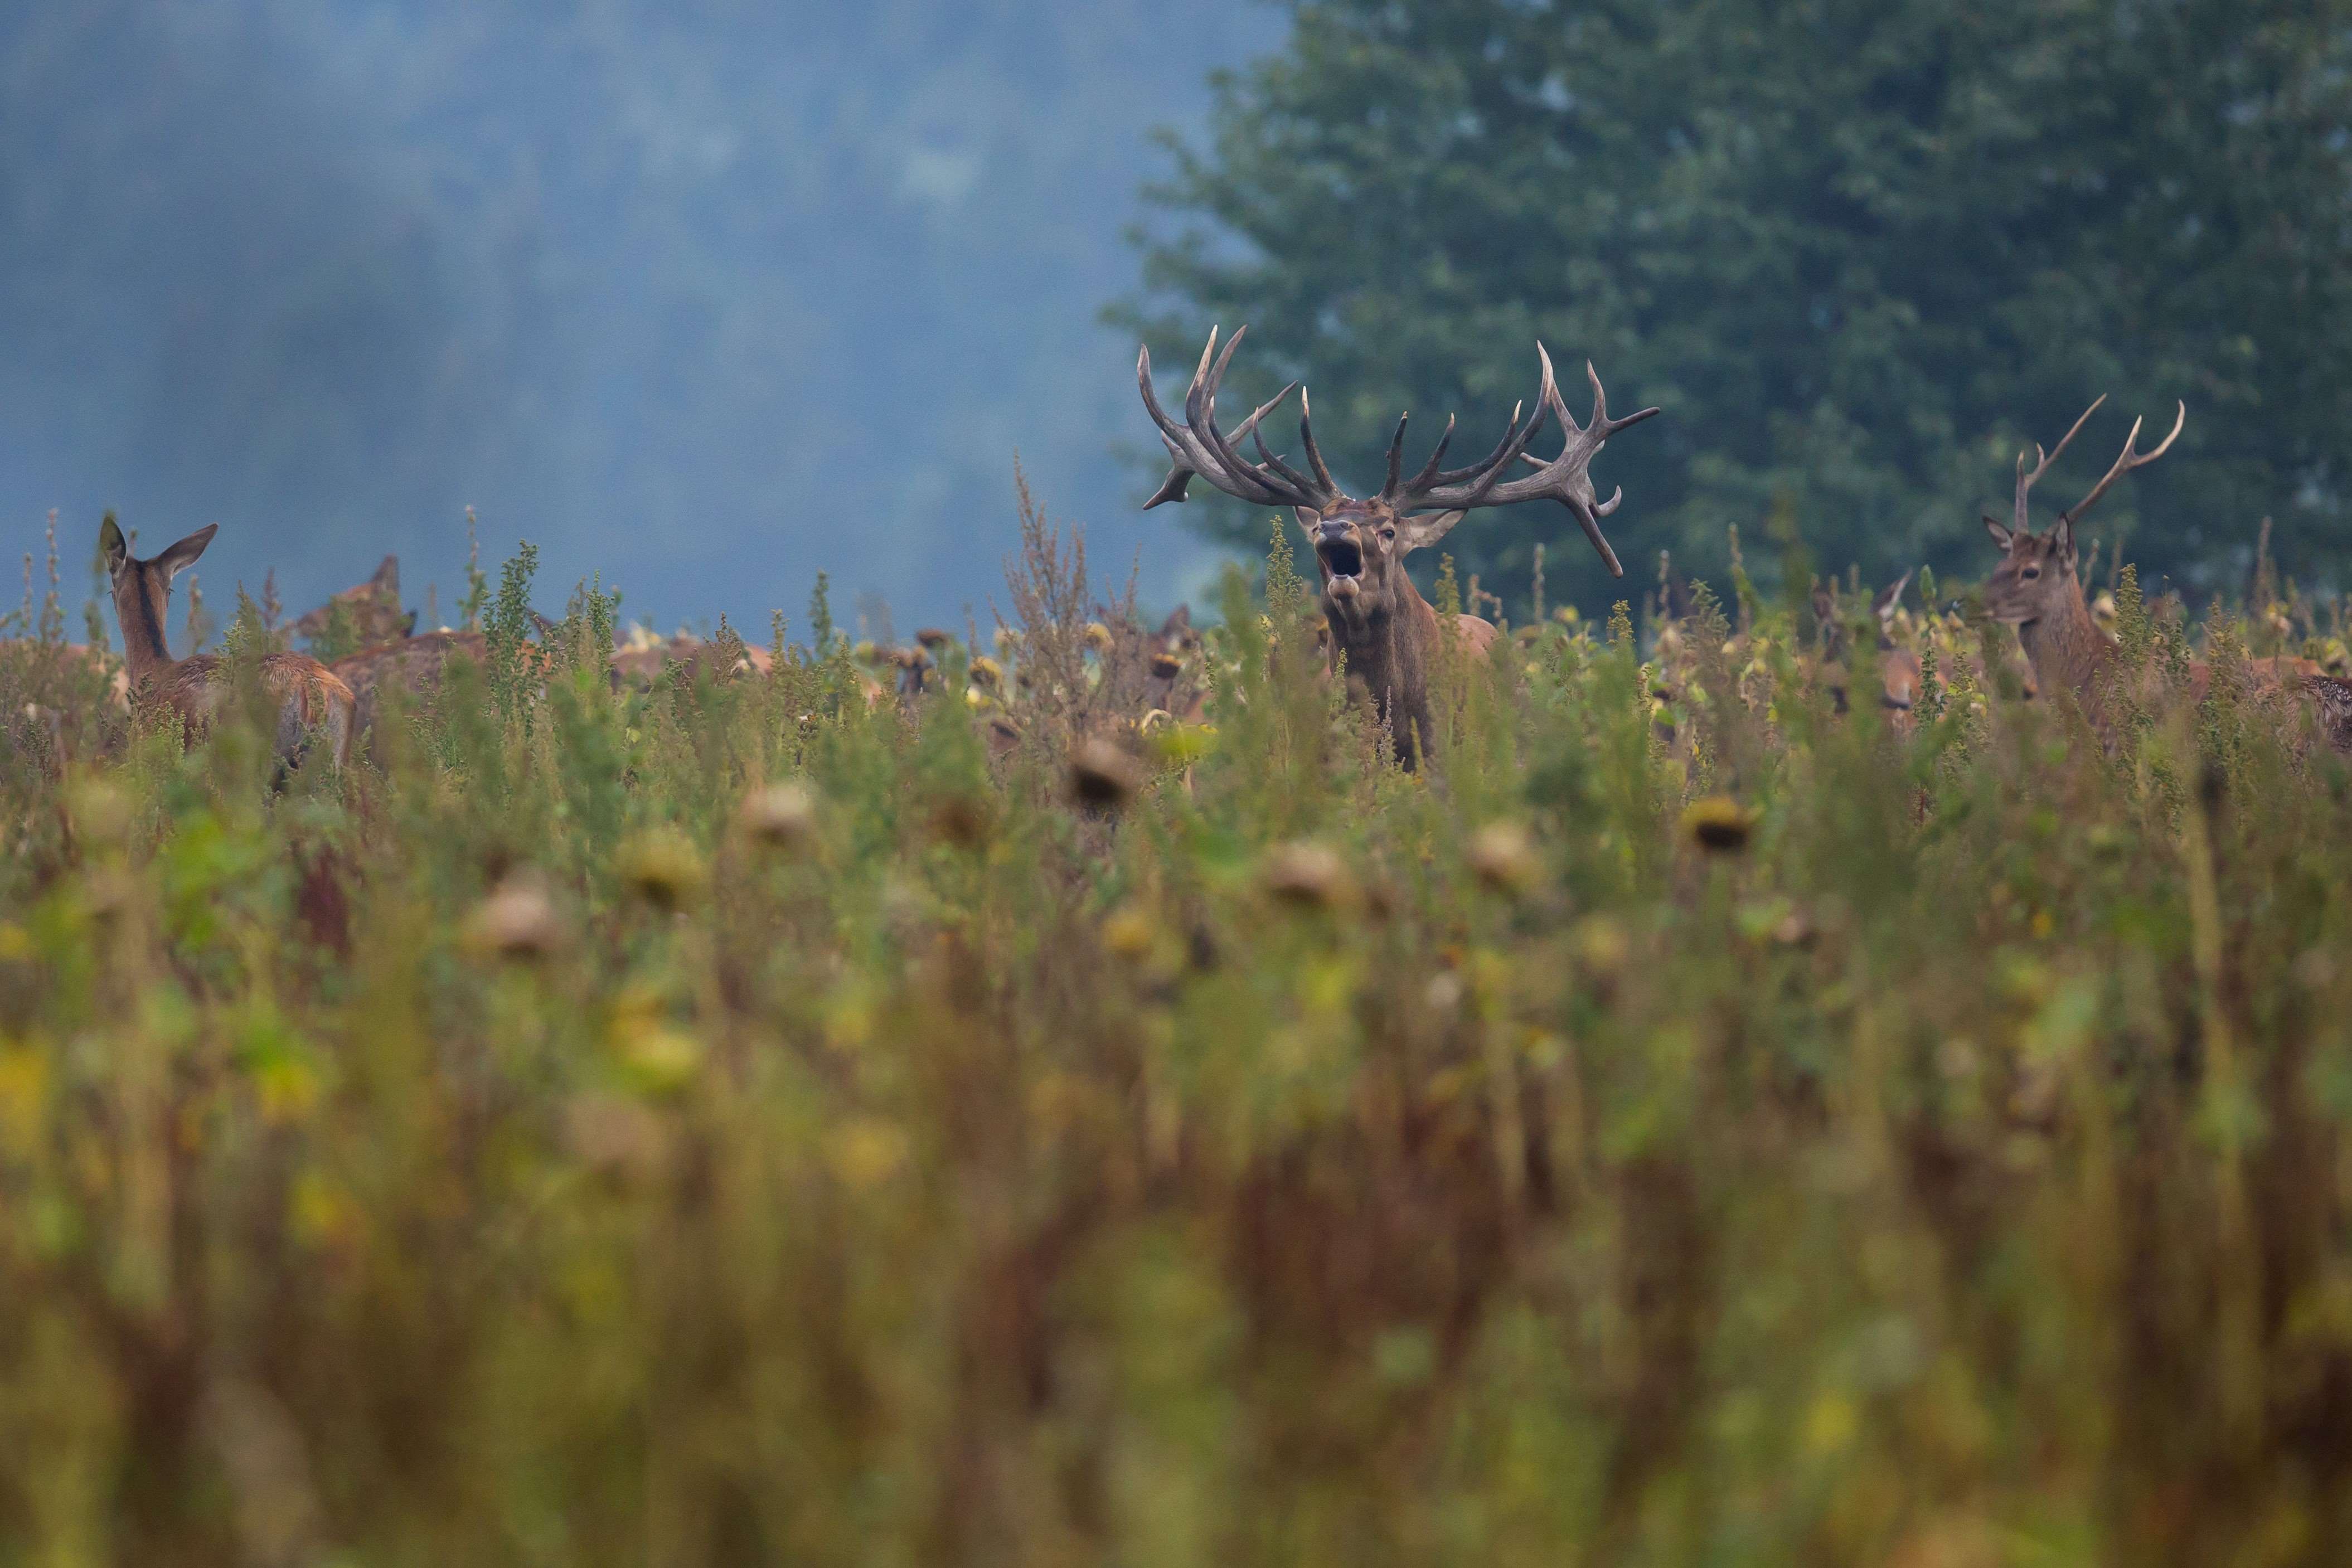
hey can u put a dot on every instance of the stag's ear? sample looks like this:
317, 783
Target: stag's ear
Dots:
1308, 518
111, 542
1889, 597
2001, 535
1824, 604
387, 576
182, 555
2063, 535
1413, 533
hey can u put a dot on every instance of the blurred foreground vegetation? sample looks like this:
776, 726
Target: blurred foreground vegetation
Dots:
743, 1121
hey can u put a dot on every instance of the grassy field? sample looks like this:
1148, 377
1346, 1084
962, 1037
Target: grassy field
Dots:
741, 1122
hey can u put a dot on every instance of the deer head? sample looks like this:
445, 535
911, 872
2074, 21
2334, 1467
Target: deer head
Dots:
2035, 581
373, 610
143, 590
1360, 544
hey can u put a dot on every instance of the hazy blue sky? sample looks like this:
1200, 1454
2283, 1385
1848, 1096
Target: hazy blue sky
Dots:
704, 294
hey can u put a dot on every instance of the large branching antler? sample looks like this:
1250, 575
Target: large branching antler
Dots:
2124, 465
1198, 447
1566, 478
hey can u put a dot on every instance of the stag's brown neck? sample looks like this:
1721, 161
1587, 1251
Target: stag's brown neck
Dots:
139, 610
2067, 650
1386, 659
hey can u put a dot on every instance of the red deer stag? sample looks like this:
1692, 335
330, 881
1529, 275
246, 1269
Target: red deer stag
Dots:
2035, 589
1384, 635
308, 697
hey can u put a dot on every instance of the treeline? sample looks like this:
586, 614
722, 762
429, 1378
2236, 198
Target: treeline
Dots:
1862, 251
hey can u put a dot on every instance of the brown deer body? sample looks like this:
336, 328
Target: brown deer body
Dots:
1385, 637
2035, 588
415, 664
310, 699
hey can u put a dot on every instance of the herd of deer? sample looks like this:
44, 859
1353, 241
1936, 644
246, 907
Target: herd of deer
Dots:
331, 702
1383, 637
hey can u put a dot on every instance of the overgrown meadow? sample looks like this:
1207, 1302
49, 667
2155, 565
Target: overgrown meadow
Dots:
746, 1121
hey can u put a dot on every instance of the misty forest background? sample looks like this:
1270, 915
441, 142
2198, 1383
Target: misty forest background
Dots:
710, 297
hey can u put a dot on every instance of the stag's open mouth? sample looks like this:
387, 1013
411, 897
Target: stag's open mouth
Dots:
1341, 557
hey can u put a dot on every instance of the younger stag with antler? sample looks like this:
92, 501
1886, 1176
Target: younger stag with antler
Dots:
1384, 635
308, 697
2035, 589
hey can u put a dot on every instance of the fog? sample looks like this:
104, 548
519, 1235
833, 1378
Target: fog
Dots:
701, 296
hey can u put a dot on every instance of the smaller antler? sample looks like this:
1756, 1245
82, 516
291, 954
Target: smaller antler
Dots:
2043, 459
2124, 465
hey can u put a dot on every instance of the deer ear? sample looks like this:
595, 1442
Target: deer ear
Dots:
2001, 535
182, 555
387, 576
1824, 606
1889, 597
2063, 535
1413, 533
111, 542
1308, 518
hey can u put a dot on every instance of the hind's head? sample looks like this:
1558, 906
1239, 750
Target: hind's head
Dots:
143, 588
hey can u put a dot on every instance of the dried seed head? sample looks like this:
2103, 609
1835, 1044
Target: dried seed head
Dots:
1504, 858
1099, 637
933, 639
1166, 666
986, 672
516, 921
1102, 775
960, 819
781, 816
1311, 875
662, 866
1718, 824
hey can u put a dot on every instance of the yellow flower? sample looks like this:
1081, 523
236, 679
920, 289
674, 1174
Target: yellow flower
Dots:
662, 866
1718, 824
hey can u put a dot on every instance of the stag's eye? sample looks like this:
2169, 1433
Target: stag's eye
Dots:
1388, 533
2030, 572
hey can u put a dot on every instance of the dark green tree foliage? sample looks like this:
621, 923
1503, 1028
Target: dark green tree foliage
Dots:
1859, 250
